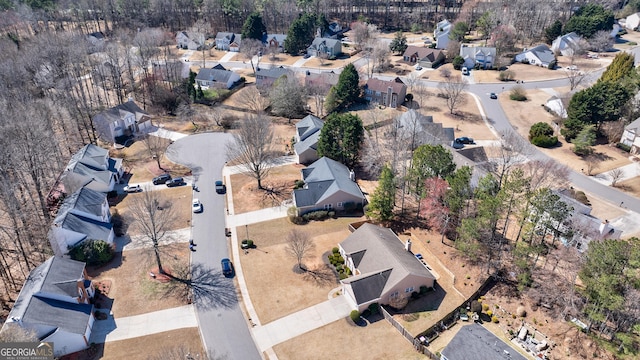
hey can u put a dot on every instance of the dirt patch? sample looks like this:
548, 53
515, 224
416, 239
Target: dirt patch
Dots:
209, 55
132, 290
285, 292
141, 167
280, 183
175, 344
631, 186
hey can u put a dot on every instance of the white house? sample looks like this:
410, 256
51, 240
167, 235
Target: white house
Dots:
185, 42
307, 135
92, 167
633, 21
539, 55
478, 55
228, 41
631, 136
126, 119
69, 230
441, 34
566, 44
54, 303
217, 77
556, 106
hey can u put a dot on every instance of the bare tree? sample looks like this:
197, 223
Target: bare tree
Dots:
252, 48
253, 100
288, 97
13, 332
592, 162
154, 216
362, 34
199, 33
252, 148
616, 175
513, 151
453, 91
156, 146
299, 245
318, 94
576, 50
575, 78
601, 41
445, 72
546, 173
322, 58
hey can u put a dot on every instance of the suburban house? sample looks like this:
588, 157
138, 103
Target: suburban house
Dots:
96, 41
422, 130
92, 167
228, 41
185, 42
87, 203
556, 106
481, 56
387, 93
217, 78
566, 44
69, 229
276, 41
540, 55
474, 342
383, 267
631, 136
328, 185
441, 34
266, 77
126, 119
54, 303
307, 134
330, 47
322, 81
424, 56
632, 21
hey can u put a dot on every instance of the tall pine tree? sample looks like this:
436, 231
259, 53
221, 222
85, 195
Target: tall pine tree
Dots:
383, 198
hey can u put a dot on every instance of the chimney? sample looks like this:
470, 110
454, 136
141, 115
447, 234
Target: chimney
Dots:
407, 245
389, 94
130, 98
352, 175
604, 227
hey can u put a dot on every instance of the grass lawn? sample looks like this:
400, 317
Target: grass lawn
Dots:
175, 344
138, 162
280, 181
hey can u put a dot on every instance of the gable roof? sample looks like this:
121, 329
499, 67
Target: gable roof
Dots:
280, 38
474, 342
309, 143
471, 51
382, 86
228, 36
49, 315
215, 74
103, 176
309, 125
93, 229
382, 260
423, 53
326, 41
634, 126
274, 72
119, 112
543, 53
85, 200
322, 179
443, 27
426, 130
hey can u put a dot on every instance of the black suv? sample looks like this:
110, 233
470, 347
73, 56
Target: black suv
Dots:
162, 179
175, 182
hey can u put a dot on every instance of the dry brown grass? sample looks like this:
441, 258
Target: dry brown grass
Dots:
138, 162
132, 290
280, 59
280, 182
156, 346
314, 62
275, 289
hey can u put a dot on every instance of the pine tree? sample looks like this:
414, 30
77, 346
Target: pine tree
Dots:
341, 137
383, 198
620, 68
253, 27
347, 90
399, 43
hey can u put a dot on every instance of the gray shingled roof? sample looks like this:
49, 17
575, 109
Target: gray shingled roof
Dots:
95, 230
379, 250
120, 111
310, 142
85, 200
328, 42
274, 73
324, 178
103, 176
543, 53
92, 156
474, 342
216, 75
633, 126
307, 126
70, 317
280, 38
427, 131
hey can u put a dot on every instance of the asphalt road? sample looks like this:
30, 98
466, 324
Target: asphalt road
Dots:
223, 327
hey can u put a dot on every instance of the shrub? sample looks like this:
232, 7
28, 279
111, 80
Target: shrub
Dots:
476, 306
485, 307
553, 64
339, 268
457, 62
316, 215
354, 315
93, 252
374, 308
632, 43
415, 295
490, 313
335, 250
339, 259
423, 289
347, 271
540, 129
623, 147
545, 141
494, 319
518, 94
582, 197
524, 61
506, 75
298, 184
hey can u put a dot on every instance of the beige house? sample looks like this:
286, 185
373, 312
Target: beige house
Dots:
426, 57
388, 93
383, 267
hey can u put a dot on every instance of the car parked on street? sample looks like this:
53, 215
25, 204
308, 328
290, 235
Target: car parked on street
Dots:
493, 96
175, 182
161, 179
132, 188
227, 267
465, 140
221, 188
196, 206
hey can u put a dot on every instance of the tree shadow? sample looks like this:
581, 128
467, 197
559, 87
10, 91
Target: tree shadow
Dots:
206, 288
95, 271
321, 275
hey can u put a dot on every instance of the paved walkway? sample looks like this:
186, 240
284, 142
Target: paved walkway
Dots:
300, 62
623, 173
227, 57
301, 322
257, 216
141, 325
166, 134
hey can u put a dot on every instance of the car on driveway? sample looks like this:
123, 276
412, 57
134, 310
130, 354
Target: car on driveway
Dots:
227, 267
132, 188
418, 67
221, 188
196, 206
161, 179
175, 182
465, 140
493, 96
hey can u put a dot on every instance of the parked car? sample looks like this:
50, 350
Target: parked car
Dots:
465, 140
493, 96
227, 267
418, 67
175, 182
465, 70
132, 188
161, 179
464, 316
196, 206
220, 187
457, 145
306, 56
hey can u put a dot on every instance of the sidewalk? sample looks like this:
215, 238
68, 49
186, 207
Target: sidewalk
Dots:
167, 134
141, 325
625, 172
257, 216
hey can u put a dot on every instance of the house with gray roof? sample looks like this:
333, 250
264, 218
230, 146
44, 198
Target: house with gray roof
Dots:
383, 267
567, 44
126, 119
186, 42
482, 56
421, 130
266, 77
87, 203
631, 136
276, 41
216, 78
307, 134
328, 185
539, 55
441, 34
69, 229
54, 303
474, 342
228, 41
320, 45
92, 167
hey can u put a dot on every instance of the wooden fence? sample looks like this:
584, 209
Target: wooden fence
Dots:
417, 344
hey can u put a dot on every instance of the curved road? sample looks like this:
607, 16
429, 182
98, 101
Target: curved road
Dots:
224, 330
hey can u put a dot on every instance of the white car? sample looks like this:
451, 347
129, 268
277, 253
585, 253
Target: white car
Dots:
196, 206
418, 67
132, 188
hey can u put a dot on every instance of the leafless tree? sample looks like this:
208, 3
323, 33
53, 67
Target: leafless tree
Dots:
362, 33
252, 148
322, 58
318, 94
601, 41
453, 91
13, 332
252, 48
513, 151
546, 173
288, 97
575, 77
453, 49
156, 146
421, 92
253, 100
576, 50
616, 175
300, 246
445, 72
154, 216
592, 162
199, 33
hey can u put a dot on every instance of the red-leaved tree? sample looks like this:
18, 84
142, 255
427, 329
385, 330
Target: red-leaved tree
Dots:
433, 208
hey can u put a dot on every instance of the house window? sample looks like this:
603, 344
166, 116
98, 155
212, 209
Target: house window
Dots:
394, 295
409, 289
339, 205
328, 206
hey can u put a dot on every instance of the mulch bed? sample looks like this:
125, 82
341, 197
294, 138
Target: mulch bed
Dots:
163, 278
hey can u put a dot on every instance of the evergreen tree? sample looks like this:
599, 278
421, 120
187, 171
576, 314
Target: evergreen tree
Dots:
347, 90
430, 161
590, 19
399, 43
620, 68
459, 30
586, 138
341, 137
553, 31
383, 198
253, 27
